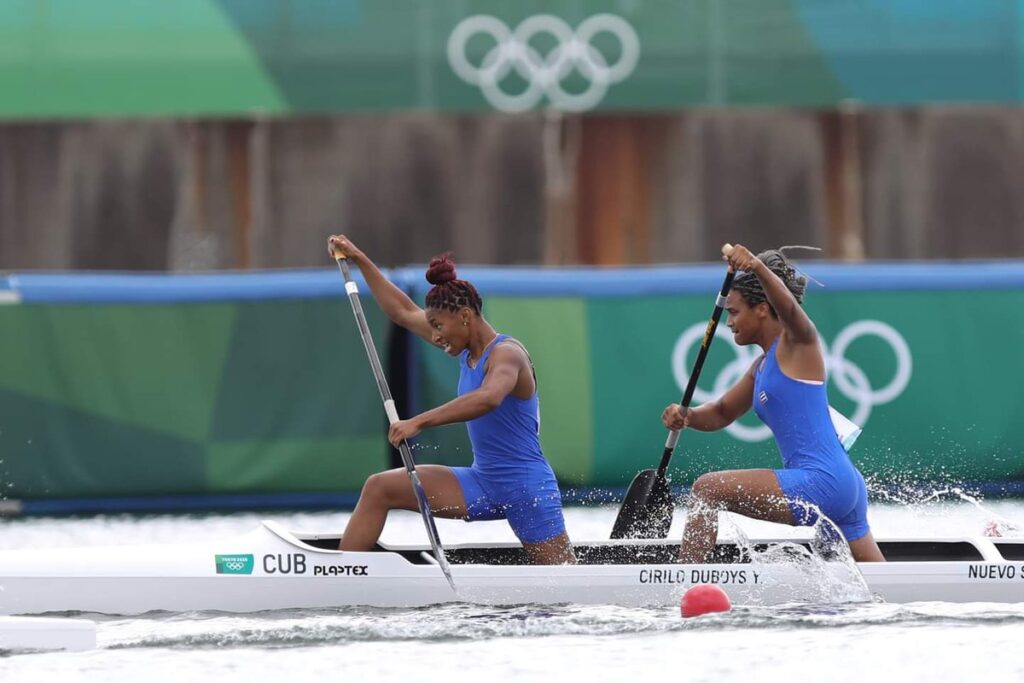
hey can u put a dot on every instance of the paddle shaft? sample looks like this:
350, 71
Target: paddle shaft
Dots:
646, 510
389, 407
702, 354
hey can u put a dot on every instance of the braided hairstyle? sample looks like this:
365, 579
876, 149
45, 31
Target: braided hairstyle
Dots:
750, 287
449, 293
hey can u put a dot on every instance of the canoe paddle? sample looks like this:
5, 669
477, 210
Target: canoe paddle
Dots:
646, 510
389, 407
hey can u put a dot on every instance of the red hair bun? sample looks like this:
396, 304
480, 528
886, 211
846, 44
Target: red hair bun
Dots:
441, 269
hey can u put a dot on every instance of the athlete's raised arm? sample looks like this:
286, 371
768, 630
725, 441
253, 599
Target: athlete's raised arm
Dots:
395, 303
796, 323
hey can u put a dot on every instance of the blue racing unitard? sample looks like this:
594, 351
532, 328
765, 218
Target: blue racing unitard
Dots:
818, 472
509, 477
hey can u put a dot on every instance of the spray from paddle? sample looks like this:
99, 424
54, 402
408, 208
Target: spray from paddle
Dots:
825, 562
921, 495
997, 525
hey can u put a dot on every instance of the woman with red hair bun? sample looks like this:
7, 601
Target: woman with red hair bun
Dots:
510, 478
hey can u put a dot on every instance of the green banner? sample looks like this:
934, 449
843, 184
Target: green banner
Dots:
187, 398
141, 385
66, 58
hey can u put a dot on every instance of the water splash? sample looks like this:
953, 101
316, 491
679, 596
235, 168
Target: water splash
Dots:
929, 496
997, 525
832, 576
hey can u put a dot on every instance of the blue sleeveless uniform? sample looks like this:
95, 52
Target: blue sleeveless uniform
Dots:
510, 477
818, 472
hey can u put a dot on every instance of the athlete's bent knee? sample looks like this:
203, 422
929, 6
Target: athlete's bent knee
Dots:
707, 488
379, 490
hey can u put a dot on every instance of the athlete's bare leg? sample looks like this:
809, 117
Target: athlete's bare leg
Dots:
557, 550
392, 490
864, 549
751, 493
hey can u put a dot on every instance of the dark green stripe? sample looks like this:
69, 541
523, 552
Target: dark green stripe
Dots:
51, 451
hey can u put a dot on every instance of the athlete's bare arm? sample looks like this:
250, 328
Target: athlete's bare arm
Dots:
715, 415
395, 303
798, 352
502, 374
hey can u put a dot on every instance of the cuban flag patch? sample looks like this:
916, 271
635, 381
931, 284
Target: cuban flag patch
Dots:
763, 397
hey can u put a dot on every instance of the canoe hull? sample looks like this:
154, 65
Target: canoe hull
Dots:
273, 569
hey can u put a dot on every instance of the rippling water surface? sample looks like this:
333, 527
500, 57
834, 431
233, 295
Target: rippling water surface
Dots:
462, 642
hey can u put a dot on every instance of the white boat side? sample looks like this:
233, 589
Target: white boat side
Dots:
272, 568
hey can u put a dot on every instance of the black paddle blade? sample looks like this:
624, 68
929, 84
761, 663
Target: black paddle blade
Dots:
646, 511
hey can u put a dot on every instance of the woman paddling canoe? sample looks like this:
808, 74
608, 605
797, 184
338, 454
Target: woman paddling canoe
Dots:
786, 387
510, 477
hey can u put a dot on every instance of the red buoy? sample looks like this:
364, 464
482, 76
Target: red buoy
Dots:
704, 599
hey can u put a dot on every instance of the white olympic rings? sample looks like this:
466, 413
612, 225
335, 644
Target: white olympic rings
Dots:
849, 378
543, 74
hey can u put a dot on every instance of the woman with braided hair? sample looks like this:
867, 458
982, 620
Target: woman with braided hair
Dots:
786, 387
510, 478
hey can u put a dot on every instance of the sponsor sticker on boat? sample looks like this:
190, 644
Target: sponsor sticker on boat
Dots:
234, 564
341, 570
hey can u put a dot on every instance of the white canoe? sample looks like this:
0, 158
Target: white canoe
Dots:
272, 568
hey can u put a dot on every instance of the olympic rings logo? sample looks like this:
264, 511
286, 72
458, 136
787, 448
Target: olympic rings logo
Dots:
234, 566
849, 378
543, 74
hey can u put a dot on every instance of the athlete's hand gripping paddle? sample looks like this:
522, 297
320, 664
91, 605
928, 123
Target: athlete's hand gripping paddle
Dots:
646, 510
389, 407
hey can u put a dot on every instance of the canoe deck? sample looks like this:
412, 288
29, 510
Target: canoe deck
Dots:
666, 551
